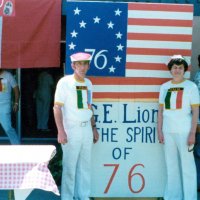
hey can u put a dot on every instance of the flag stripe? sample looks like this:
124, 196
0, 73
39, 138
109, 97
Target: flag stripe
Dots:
159, 29
160, 7
161, 37
125, 95
159, 44
150, 58
154, 66
127, 81
159, 22
79, 99
148, 66
127, 88
160, 15
167, 100
153, 51
179, 99
152, 73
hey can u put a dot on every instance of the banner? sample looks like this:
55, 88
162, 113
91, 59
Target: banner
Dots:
31, 38
130, 44
7, 8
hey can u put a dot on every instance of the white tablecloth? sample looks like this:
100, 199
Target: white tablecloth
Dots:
26, 167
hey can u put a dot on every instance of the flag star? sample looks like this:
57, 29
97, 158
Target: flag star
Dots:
119, 35
74, 33
118, 12
82, 24
118, 59
96, 20
72, 46
112, 69
77, 11
120, 47
110, 25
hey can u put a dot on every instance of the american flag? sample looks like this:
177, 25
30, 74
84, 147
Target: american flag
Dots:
130, 43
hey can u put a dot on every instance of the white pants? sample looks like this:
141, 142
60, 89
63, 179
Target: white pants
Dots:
5, 121
76, 162
181, 169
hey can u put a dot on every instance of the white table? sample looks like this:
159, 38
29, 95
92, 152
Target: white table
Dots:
25, 167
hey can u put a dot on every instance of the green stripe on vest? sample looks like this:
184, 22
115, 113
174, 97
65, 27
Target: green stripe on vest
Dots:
167, 100
80, 99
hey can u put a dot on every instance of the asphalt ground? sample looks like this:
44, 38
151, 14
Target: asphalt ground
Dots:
44, 195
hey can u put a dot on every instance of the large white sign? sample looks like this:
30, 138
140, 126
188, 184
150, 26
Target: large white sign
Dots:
128, 160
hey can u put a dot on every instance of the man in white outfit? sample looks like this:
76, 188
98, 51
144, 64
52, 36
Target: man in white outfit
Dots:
76, 128
7, 84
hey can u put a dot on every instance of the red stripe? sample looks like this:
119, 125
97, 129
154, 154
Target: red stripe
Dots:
179, 99
127, 81
159, 37
164, 52
160, 22
127, 95
160, 7
146, 66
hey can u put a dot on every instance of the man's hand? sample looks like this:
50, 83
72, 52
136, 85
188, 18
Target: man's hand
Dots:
62, 137
95, 135
15, 107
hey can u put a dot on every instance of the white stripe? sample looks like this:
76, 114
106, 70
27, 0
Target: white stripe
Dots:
159, 44
159, 29
173, 100
151, 73
160, 15
1, 20
152, 59
126, 88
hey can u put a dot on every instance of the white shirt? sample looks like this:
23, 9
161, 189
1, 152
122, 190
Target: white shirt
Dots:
7, 82
75, 98
177, 100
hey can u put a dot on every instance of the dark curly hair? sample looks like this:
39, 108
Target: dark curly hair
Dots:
178, 61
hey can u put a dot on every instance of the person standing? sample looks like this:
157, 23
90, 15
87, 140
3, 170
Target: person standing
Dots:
177, 123
76, 128
197, 75
197, 145
43, 97
7, 84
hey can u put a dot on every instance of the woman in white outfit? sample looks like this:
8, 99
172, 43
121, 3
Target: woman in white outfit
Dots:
177, 123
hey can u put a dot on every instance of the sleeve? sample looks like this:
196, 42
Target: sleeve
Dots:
194, 95
59, 96
12, 80
161, 96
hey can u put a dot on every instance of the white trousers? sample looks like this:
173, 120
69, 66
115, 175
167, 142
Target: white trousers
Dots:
181, 169
5, 121
77, 162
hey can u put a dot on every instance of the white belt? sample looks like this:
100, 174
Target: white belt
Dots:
83, 124
80, 123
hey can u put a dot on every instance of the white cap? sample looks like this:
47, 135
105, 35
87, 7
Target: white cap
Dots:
177, 57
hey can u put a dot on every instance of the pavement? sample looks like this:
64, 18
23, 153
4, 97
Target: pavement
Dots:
35, 195
44, 195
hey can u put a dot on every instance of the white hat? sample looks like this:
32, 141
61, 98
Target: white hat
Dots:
177, 57
80, 57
